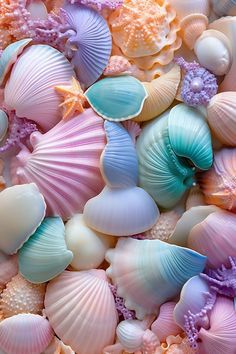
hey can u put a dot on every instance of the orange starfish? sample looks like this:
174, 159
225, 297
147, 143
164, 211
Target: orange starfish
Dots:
74, 98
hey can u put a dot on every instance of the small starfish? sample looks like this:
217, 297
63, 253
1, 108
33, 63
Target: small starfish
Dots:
74, 98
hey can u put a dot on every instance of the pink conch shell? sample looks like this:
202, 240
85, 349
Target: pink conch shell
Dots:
25, 334
188, 7
81, 310
165, 324
221, 117
195, 198
192, 27
8, 269
214, 237
221, 336
58, 347
164, 226
65, 163
21, 296
218, 183
117, 65
30, 88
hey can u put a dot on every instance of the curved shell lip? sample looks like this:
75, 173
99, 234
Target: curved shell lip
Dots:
122, 118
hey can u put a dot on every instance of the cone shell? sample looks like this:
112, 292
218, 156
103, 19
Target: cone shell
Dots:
161, 94
192, 27
21, 296
8, 269
25, 334
165, 325
221, 336
150, 269
221, 117
45, 255
26, 206
188, 7
30, 88
82, 300
65, 164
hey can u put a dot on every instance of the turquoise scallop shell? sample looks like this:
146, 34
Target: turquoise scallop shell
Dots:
45, 255
117, 98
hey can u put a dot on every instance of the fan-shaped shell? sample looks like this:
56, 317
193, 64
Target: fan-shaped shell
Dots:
213, 51
9, 56
89, 40
224, 7
117, 98
8, 269
3, 124
88, 247
65, 163
161, 94
165, 325
221, 117
192, 27
150, 269
188, 7
30, 88
25, 334
82, 300
21, 296
221, 336
26, 206
45, 255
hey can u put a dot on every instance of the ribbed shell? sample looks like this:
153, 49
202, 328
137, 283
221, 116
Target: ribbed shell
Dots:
224, 7
65, 164
30, 88
3, 124
92, 39
25, 334
45, 254
150, 269
81, 310
21, 296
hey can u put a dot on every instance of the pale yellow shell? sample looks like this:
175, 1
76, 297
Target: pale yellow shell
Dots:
161, 94
192, 27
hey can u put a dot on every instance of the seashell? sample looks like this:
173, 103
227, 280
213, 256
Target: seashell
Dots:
13, 330
8, 269
89, 40
195, 198
218, 184
117, 65
88, 247
25, 205
9, 56
161, 94
175, 345
3, 124
134, 27
214, 237
37, 10
213, 51
21, 296
164, 325
188, 7
117, 98
135, 263
221, 336
179, 133
221, 117
58, 347
133, 129
192, 27
224, 7
188, 220
164, 226
65, 163
45, 255
30, 88
82, 300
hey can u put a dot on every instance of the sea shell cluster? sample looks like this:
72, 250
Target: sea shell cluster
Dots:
117, 176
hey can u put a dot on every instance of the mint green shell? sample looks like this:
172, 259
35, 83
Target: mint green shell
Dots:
117, 98
45, 255
168, 148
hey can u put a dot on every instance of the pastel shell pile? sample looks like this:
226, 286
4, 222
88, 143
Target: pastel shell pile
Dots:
117, 177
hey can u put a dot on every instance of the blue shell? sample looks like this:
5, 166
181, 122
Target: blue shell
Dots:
45, 255
89, 40
117, 98
119, 161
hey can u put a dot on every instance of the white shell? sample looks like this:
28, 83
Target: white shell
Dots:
88, 246
22, 209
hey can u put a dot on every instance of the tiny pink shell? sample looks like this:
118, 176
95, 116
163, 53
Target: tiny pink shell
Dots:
8, 269
116, 66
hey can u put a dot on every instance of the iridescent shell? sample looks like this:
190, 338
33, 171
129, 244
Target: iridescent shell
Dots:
150, 269
64, 163
8, 269
21, 296
82, 300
